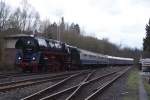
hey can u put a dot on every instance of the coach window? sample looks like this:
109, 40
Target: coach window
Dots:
42, 42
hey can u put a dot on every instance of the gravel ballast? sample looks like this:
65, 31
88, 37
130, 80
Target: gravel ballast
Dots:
117, 91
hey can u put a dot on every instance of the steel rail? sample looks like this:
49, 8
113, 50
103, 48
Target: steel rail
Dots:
50, 76
27, 82
79, 87
108, 84
39, 94
76, 87
19, 74
7, 75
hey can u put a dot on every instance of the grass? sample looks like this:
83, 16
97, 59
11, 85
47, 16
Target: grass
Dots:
132, 85
147, 88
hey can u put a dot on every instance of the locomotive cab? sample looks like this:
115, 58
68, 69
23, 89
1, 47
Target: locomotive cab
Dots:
75, 57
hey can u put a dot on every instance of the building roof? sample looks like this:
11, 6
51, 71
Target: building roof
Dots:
17, 36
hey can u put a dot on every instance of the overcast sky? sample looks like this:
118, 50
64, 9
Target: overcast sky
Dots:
121, 21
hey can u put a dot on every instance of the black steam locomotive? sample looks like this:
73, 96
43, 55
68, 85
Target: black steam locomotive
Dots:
39, 54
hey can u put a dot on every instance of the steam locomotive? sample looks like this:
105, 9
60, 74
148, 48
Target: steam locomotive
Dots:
37, 54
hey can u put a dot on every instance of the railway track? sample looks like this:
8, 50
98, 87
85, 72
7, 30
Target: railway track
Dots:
6, 86
19, 75
84, 87
7, 75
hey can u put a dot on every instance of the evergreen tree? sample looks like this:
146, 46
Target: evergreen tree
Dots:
146, 41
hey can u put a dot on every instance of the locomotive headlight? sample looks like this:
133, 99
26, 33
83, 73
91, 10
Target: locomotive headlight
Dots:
33, 58
19, 58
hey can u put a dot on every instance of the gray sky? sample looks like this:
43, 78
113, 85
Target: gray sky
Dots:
121, 21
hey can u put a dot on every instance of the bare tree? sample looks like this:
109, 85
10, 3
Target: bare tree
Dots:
4, 14
36, 21
15, 20
43, 25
